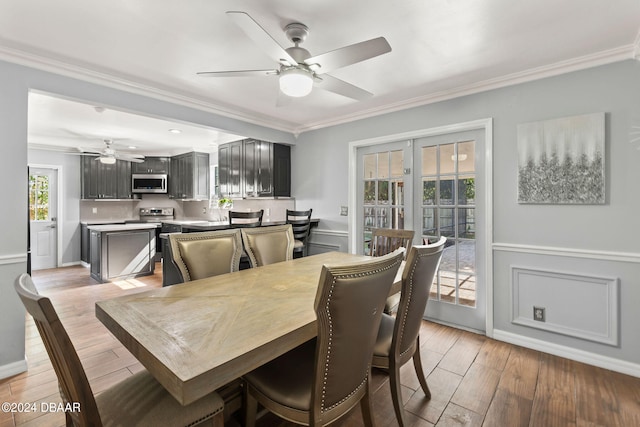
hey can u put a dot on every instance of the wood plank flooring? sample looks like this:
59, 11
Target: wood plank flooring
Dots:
475, 381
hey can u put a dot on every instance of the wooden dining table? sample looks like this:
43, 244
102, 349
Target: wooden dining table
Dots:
201, 335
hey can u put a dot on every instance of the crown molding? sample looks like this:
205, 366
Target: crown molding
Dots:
562, 67
83, 73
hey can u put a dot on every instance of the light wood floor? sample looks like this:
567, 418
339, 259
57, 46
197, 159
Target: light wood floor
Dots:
475, 381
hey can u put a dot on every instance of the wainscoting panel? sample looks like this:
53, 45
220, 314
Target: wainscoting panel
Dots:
321, 241
580, 306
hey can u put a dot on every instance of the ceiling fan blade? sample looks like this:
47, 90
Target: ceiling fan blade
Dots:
343, 88
330, 61
261, 37
89, 151
240, 73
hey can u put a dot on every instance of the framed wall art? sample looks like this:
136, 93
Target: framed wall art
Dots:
562, 161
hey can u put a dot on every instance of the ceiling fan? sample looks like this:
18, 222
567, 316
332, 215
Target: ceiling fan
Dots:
298, 70
109, 155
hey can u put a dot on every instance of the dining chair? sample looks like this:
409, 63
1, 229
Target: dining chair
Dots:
268, 245
245, 219
139, 400
318, 382
398, 338
384, 241
301, 223
206, 254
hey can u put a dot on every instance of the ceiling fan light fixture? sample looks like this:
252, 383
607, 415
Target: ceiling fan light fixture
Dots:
296, 82
107, 160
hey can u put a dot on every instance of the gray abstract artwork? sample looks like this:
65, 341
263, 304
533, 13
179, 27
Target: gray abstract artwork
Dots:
561, 161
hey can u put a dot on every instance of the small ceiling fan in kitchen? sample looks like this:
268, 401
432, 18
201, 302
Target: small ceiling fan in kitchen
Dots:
109, 155
298, 72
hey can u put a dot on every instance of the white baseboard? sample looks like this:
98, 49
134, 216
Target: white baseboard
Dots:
12, 369
594, 359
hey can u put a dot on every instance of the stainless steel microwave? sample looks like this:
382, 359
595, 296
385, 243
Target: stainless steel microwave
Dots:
149, 183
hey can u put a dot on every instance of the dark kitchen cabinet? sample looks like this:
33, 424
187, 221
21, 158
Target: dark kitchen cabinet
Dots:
155, 165
253, 168
105, 181
189, 176
230, 169
84, 243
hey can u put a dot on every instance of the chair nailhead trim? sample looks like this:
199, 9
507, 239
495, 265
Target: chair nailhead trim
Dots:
323, 409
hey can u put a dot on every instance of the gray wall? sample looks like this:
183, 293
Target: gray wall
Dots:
580, 243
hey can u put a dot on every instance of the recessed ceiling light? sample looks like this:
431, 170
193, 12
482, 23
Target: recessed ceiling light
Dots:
175, 131
133, 147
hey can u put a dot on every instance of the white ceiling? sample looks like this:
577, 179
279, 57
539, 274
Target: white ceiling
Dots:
440, 49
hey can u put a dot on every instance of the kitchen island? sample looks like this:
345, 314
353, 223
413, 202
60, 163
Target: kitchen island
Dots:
121, 251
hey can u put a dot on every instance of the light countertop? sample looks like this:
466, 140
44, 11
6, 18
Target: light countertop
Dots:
121, 227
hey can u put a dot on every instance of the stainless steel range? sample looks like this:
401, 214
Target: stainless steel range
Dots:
155, 216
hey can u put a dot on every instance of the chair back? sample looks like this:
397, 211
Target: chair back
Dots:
349, 304
245, 219
387, 240
206, 254
268, 245
72, 380
417, 277
301, 223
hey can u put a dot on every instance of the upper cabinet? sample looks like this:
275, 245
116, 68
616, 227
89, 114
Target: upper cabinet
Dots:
105, 181
229, 169
254, 168
189, 176
152, 165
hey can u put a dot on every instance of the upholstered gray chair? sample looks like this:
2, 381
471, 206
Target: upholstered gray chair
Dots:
399, 338
321, 380
267, 245
138, 400
206, 254
301, 223
384, 241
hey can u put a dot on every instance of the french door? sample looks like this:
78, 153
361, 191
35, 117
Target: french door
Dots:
434, 186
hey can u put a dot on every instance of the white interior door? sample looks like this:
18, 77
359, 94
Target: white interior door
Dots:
43, 215
448, 201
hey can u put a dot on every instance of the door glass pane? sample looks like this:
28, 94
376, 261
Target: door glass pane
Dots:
428, 192
383, 192
447, 273
466, 156
429, 160
397, 192
429, 227
467, 272
446, 191
382, 217
370, 166
38, 197
466, 223
397, 164
369, 192
383, 165
397, 218
466, 190
447, 159
446, 222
